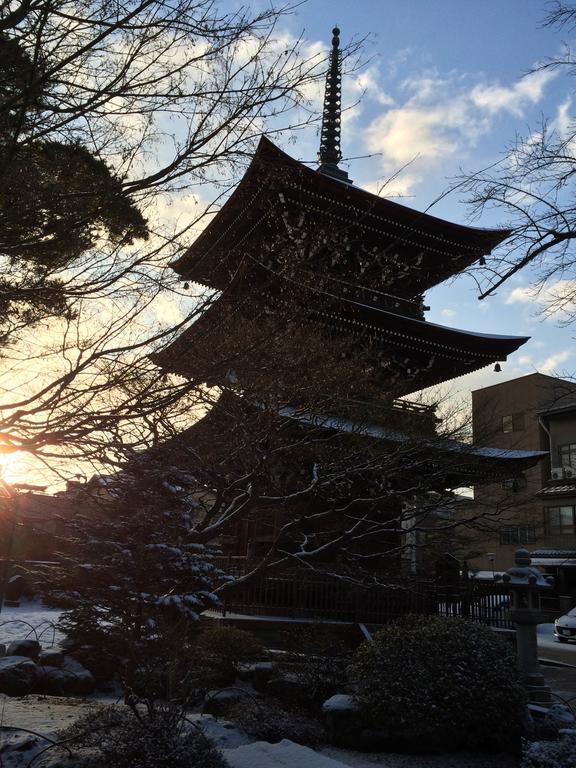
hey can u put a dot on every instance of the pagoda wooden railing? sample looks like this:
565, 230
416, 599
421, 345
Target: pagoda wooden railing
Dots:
403, 415
411, 406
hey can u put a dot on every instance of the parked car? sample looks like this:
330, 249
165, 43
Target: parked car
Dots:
565, 627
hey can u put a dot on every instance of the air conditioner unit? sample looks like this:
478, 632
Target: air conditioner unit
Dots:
557, 473
569, 471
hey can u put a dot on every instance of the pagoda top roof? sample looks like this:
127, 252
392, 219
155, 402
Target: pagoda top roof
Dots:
422, 250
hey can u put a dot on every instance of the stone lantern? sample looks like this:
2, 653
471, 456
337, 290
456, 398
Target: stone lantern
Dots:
526, 585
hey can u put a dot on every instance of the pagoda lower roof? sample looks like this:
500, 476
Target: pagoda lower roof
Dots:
470, 456
390, 246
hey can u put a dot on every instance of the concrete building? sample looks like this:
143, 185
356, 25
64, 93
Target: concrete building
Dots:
536, 509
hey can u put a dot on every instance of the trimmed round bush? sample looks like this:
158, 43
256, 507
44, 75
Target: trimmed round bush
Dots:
429, 683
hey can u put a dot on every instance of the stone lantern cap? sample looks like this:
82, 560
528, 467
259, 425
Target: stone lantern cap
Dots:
523, 576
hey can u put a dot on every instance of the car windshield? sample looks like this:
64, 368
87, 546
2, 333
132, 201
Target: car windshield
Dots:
572, 613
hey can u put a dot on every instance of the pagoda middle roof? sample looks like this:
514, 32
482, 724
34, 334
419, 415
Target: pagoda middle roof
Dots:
428, 353
419, 249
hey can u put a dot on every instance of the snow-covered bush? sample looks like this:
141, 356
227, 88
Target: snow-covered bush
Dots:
438, 683
116, 737
550, 754
133, 576
218, 651
265, 720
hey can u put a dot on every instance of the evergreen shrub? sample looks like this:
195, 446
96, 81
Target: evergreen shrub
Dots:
266, 720
440, 684
317, 659
116, 737
222, 649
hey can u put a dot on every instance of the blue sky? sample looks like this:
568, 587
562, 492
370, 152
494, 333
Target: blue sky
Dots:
449, 86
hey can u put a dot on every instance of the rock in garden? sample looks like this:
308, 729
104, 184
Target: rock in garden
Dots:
18, 675
55, 681
51, 681
262, 673
52, 657
29, 648
286, 688
80, 682
341, 715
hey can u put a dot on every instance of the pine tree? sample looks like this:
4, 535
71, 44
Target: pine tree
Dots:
130, 576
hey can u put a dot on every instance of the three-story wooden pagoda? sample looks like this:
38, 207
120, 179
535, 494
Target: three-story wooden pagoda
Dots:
318, 311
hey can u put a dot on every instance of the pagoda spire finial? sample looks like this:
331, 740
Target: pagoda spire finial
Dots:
330, 154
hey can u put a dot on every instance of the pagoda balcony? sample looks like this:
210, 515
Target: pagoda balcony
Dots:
408, 416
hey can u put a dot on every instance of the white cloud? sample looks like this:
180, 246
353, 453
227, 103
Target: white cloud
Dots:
448, 313
564, 122
551, 363
394, 186
513, 98
367, 83
557, 298
443, 117
520, 295
405, 133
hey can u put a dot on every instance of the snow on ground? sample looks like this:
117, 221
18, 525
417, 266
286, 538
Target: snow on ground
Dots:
286, 754
394, 760
49, 714
44, 714
31, 619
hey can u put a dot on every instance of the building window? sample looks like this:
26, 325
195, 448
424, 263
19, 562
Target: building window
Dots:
567, 455
515, 483
517, 534
513, 422
559, 520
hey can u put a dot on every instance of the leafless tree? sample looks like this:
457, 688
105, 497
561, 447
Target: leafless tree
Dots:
532, 188
108, 114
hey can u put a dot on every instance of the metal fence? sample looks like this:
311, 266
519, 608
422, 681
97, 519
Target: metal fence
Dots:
308, 595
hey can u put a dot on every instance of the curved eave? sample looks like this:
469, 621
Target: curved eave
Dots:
428, 353
469, 454
463, 244
431, 337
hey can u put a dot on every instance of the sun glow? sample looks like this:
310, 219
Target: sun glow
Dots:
12, 469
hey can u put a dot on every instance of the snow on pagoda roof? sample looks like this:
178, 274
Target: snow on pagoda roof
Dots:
340, 424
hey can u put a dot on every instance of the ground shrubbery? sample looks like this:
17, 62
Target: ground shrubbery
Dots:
440, 684
550, 754
266, 720
117, 737
316, 662
218, 652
